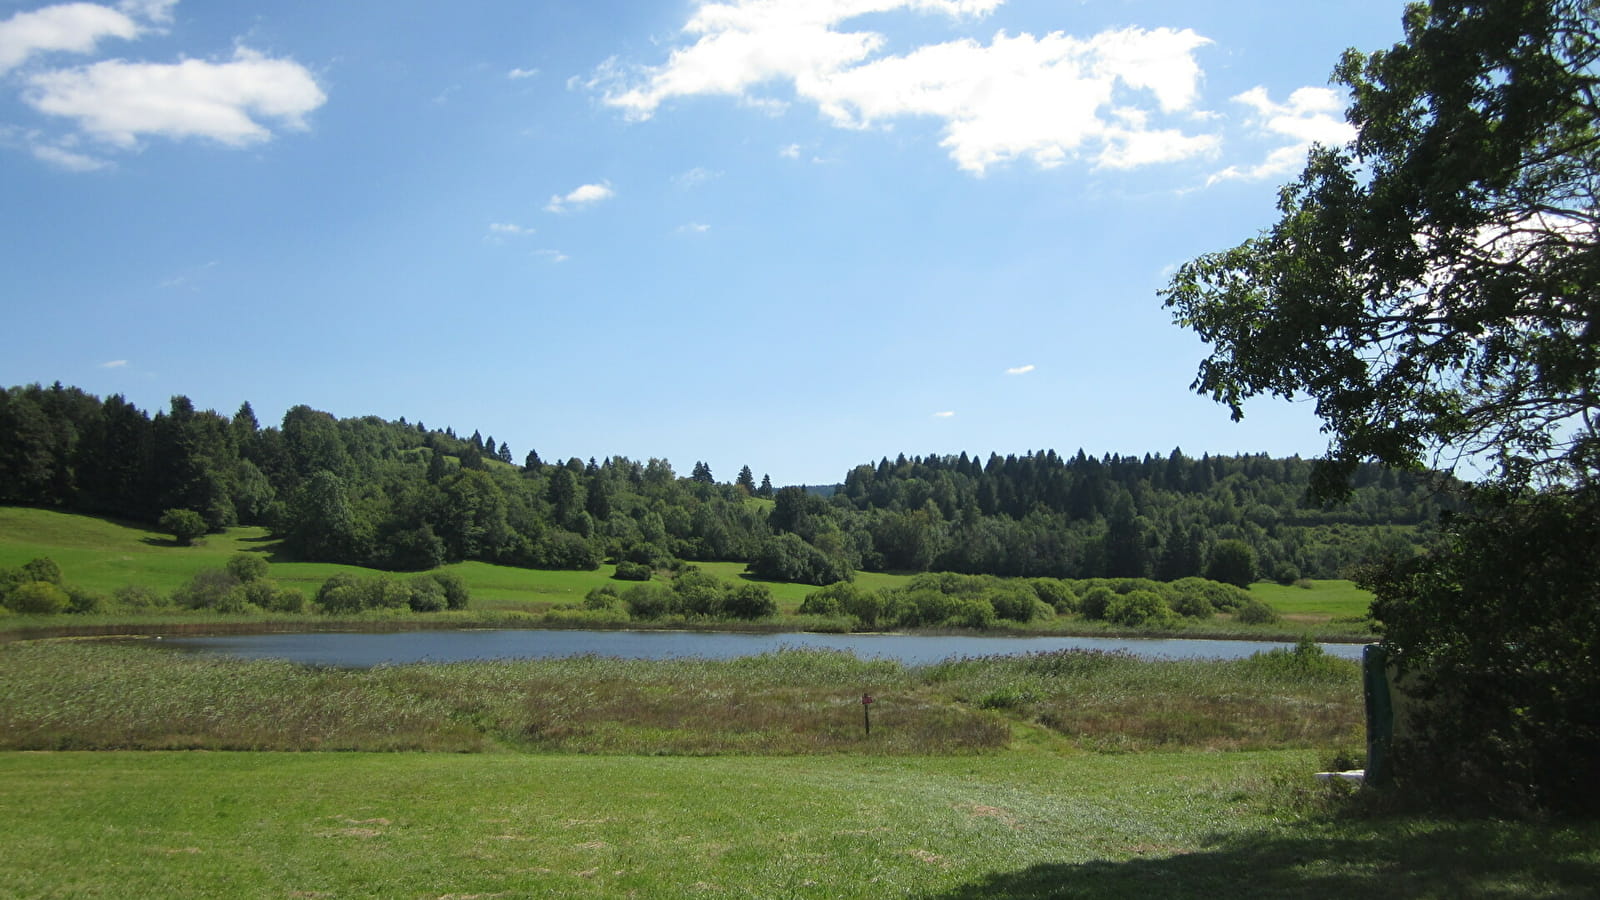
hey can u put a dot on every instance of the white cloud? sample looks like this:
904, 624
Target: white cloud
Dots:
114, 364
508, 228
154, 10
1048, 99
580, 197
790, 152
68, 27
1312, 115
70, 160
119, 101
694, 177
944, 415
518, 74
554, 256
694, 228
1020, 370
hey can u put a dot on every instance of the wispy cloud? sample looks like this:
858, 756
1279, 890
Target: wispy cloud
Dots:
70, 160
790, 152
499, 230
694, 228
552, 256
580, 197
114, 364
947, 414
694, 177
1020, 370
519, 74
1312, 115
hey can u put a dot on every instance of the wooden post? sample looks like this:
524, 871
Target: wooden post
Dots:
866, 714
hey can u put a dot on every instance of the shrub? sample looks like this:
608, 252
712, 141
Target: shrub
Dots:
247, 567
1096, 601
426, 595
456, 595
38, 597
845, 598
1231, 562
1060, 595
341, 593
44, 569
650, 600
1019, 603
1139, 609
287, 600
1286, 573
1221, 596
138, 596
386, 593
83, 600
208, 589
603, 597
1192, 605
699, 593
632, 571
971, 612
183, 524
1254, 612
750, 601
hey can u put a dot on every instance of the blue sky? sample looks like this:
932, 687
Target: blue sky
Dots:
793, 234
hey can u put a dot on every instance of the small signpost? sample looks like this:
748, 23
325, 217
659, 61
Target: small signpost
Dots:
866, 713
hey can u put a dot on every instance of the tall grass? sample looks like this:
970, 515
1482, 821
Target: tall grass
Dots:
102, 695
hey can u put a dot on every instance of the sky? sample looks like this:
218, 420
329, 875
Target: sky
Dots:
798, 235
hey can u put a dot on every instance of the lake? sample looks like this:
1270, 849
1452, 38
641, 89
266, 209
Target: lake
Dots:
360, 650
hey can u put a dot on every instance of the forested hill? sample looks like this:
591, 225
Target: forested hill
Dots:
402, 495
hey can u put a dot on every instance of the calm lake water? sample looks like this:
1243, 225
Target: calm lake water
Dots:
359, 650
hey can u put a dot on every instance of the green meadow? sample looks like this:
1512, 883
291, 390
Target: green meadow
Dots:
103, 555
127, 770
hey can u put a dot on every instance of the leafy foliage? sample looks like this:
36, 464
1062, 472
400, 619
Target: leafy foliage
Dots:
1431, 286
183, 524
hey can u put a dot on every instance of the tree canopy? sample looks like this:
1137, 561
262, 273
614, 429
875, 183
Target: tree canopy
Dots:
1432, 285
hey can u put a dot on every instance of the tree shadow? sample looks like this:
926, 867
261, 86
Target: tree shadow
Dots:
169, 542
1384, 858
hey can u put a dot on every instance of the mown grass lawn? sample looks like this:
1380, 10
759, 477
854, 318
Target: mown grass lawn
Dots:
1318, 601
436, 825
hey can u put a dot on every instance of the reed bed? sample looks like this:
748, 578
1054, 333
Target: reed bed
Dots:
92, 694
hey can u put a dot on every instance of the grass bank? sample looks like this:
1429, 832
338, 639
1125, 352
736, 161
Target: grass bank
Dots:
1180, 825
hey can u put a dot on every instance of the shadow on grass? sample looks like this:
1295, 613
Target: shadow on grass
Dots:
1381, 858
170, 542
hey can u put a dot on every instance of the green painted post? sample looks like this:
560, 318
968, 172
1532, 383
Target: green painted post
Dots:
1380, 713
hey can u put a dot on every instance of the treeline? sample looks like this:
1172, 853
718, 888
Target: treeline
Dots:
402, 496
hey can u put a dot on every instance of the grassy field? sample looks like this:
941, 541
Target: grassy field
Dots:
1315, 601
1180, 825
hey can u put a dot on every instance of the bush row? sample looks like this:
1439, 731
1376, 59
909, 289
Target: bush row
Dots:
944, 599
242, 586
692, 594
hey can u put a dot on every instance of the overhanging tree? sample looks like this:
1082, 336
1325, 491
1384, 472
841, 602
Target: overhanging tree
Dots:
1432, 286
